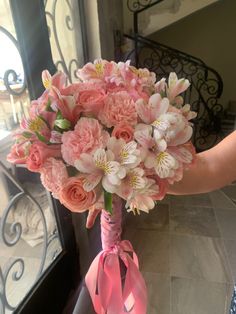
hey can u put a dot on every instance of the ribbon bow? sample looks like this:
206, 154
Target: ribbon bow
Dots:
109, 293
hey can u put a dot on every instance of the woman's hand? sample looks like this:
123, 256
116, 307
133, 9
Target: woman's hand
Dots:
212, 170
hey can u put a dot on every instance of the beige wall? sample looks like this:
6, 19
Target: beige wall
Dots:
209, 34
161, 14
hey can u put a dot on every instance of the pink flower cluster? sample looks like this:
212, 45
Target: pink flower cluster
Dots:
116, 129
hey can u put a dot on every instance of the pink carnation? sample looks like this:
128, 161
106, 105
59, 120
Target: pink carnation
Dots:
118, 107
53, 175
87, 137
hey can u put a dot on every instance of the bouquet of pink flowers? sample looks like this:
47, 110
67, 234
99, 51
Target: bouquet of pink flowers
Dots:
115, 132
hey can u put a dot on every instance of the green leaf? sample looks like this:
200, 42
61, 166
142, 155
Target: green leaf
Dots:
59, 115
48, 106
27, 134
41, 137
163, 94
45, 121
63, 124
108, 201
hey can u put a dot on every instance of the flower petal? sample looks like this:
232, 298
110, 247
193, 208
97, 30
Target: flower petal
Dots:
164, 164
182, 137
112, 167
100, 158
108, 186
91, 181
85, 163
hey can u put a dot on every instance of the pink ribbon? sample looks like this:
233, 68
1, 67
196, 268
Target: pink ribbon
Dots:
110, 294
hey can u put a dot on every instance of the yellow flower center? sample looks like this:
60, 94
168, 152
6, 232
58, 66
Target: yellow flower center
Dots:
124, 155
99, 68
47, 83
161, 157
134, 181
156, 123
36, 125
103, 166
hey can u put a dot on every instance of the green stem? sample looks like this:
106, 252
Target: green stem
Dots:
108, 201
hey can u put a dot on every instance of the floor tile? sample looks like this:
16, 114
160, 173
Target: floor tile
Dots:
193, 220
199, 258
221, 201
152, 248
157, 219
230, 191
197, 296
158, 286
227, 223
202, 200
230, 247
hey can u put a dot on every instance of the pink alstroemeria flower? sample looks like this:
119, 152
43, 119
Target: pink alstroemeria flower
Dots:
134, 181
164, 164
172, 127
100, 167
154, 153
156, 106
176, 86
186, 111
94, 72
141, 199
126, 154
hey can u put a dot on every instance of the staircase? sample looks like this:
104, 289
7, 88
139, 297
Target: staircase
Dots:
206, 84
228, 121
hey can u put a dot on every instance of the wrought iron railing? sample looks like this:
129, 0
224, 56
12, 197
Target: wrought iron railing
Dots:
10, 235
206, 84
204, 92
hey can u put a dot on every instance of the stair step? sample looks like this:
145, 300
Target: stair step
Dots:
230, 113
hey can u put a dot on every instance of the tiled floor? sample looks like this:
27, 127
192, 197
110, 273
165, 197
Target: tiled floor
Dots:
187, 253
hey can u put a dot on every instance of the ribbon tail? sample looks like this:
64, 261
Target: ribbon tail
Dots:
91, 282
135, 291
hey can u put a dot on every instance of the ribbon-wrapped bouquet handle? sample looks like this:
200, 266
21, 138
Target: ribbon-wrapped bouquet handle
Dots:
114, 281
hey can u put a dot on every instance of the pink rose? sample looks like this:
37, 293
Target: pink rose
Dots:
87, 136
74, 197
123, 130
19, 153
91, 100
38, 154
53, 175
118, 107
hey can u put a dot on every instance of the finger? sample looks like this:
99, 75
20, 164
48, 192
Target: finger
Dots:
92, 215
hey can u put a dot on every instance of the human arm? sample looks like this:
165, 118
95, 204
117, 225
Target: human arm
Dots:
212, 170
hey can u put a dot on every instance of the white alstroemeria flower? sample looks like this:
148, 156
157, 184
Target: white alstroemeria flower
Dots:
126, 154
99, 167
186, 111
176, 86
141, 199
163, 163
133, 181
173, 127
155, 107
